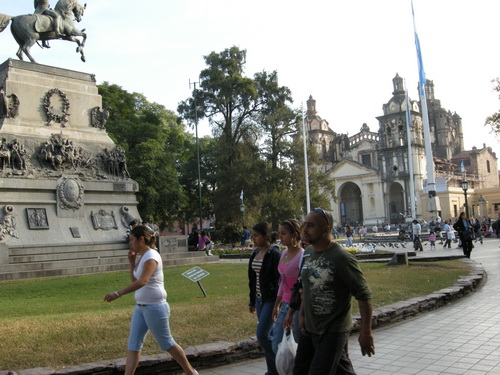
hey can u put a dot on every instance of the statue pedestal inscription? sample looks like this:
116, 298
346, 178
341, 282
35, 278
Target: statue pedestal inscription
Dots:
172, 244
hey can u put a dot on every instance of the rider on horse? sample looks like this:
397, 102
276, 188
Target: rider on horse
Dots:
42, 7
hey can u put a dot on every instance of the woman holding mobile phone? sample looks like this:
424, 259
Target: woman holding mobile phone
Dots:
152, 311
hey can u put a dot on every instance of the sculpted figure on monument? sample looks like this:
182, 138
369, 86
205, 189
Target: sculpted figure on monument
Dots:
18, 155
115, 162
61, 153
4, 155
122, 165
9, 104
8, 223
46, 24
42, 7
99, 118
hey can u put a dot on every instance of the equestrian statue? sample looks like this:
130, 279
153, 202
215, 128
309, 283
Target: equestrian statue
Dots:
47, 24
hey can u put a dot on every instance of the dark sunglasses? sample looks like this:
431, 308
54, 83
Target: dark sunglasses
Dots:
322, 212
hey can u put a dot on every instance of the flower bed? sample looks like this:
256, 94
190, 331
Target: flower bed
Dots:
241, 251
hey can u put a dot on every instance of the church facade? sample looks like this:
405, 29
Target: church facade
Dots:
371, 169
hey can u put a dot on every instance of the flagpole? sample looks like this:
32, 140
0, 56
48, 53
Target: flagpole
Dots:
433, 201
306, 168
410, 155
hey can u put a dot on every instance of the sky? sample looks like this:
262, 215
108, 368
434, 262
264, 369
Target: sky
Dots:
343, 53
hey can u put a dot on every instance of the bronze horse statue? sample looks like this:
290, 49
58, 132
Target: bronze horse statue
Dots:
30, 28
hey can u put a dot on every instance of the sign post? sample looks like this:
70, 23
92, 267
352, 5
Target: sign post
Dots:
195, 274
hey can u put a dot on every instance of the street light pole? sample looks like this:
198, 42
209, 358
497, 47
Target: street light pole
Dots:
242, 210
197, 151
465, 187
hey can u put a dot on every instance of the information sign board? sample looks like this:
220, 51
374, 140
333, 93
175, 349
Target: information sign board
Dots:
195, 274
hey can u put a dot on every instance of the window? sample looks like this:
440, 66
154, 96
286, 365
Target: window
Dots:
455, 210
366, 159
488, 166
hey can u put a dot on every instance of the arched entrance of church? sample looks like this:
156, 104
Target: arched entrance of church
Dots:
396, 204
351, 207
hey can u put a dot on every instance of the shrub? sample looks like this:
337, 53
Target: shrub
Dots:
229, 233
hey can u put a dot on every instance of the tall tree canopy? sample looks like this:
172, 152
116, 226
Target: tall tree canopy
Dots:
231, 102
253, 123
155, 144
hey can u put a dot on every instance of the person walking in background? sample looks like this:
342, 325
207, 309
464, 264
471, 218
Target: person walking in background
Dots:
432, 240
263, 277
152, 311
465, 233
348, 234
245, 237
331, 277
362, 232
448, 230
416, 232
288, 268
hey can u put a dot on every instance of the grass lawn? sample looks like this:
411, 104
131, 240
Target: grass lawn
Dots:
59, 322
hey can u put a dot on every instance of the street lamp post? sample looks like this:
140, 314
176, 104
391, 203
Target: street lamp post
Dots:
242, 210
197, 153
465, 187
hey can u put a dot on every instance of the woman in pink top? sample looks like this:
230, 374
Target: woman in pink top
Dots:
288, 268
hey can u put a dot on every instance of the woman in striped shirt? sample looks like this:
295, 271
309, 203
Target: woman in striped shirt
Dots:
263, 279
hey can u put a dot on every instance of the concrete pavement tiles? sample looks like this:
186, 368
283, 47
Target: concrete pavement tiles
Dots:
461, 338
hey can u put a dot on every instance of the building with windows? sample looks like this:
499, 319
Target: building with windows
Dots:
371, 169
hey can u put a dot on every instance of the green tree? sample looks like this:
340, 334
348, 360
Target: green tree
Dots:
493, 121
230, 101
277, 122
155, 142
226, 97
188, 177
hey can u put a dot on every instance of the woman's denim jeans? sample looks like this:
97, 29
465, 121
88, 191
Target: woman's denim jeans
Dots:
264, 332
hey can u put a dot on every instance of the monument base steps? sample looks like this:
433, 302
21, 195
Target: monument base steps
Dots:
49, 261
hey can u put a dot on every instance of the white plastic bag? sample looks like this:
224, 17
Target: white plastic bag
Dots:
285, 356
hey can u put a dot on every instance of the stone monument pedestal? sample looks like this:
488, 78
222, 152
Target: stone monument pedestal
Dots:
65, 192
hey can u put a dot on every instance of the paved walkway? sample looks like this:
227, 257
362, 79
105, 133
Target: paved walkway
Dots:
461, 338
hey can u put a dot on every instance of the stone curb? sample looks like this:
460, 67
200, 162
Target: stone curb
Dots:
224, 353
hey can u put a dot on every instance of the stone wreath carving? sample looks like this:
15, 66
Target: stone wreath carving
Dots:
9, 105
70, 193
52, 116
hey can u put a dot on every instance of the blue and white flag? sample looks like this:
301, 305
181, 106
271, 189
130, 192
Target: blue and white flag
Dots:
462, 167
421, 73
241, 195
